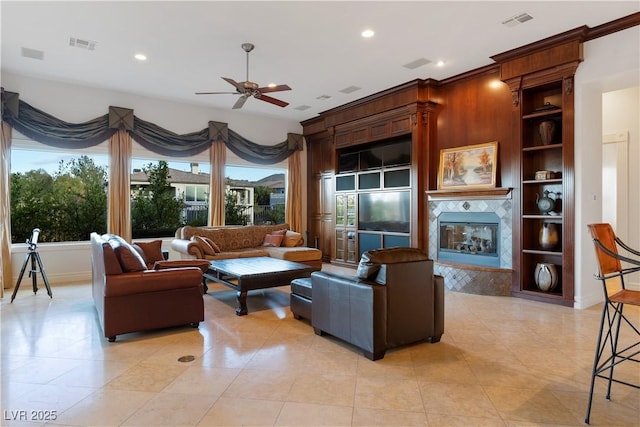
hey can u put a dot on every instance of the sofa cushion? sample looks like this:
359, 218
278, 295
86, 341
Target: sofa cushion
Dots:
367, 268
151, 251
292, 239
129, 258
297, 254
206, 248
211, 243
273, 240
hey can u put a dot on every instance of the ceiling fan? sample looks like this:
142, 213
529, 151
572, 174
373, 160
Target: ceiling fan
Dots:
248, 88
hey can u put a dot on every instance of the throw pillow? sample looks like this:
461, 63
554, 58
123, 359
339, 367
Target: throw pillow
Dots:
129, 258
291, 239
204, 246
272, 240
367, 268
213, 244
151, 251
281, 232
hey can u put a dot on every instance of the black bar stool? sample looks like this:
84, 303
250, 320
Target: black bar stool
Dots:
613, 320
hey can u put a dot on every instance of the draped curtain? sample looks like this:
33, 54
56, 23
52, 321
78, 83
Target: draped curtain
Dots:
49, 130
119, 126
293, 208
119, 206
218, 155
5, 209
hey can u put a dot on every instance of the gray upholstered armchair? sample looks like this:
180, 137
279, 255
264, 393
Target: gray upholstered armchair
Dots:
394, 300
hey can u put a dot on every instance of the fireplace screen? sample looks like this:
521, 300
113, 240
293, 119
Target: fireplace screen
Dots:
469, 242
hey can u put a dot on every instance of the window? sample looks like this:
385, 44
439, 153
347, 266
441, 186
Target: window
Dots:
196, 193
254, 195
61, 192
167, 194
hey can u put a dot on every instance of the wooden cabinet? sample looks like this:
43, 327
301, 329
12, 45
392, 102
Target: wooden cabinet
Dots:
546, 219
320, 210
345, 228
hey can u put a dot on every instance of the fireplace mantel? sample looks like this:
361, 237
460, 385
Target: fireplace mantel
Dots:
485, 193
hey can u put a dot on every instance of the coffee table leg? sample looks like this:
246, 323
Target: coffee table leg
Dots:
242, 304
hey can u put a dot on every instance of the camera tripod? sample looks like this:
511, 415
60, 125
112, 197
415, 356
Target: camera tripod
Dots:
33, 256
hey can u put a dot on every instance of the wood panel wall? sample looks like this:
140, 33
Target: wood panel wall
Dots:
474, 110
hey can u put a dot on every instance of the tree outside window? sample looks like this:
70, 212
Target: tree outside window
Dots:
66, 206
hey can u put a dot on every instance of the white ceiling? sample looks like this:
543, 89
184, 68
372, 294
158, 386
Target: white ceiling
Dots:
314, 47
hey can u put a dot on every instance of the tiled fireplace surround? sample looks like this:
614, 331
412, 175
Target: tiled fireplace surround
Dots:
468, 278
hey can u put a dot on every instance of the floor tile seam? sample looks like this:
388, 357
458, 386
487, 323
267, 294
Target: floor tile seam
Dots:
431, 415
182, 394
237, 374
579, 420
100, 390
505, 421
276, 422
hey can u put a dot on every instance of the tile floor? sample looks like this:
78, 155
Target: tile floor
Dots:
501, 362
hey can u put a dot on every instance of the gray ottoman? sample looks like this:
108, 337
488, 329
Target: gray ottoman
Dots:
301, 298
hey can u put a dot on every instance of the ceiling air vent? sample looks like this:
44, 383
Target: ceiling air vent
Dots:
82, 44
323, 97
302, 107
32, 53
417, 63
350, 89
517, 19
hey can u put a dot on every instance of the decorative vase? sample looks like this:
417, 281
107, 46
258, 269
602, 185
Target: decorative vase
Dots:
546, 276
547, 131
545, 203
548, 238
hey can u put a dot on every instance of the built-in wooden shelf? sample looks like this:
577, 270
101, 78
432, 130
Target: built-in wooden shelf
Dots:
481, 193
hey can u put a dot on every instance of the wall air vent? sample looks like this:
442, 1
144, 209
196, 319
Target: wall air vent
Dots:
417, 63
82, 44
517, 19
32, 53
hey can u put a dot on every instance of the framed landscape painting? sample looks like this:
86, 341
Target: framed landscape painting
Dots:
468, 167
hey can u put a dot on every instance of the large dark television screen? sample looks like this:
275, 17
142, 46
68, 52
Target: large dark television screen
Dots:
384, 211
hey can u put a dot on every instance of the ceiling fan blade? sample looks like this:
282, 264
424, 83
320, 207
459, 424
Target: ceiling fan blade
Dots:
216, 93
240, 102
278, 88
273, 101
234, 83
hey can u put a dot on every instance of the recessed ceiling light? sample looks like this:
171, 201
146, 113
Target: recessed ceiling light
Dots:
367, 34
140, 57
440, 63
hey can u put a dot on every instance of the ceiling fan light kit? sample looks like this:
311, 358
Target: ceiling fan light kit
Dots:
248, 88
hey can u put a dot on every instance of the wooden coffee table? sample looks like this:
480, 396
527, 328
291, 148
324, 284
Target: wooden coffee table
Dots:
246, 274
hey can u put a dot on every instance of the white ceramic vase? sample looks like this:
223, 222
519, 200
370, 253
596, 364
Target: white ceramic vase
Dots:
546, 276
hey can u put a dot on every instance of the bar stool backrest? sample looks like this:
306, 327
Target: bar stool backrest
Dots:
605, 235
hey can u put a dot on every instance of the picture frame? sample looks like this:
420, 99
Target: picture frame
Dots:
468, 167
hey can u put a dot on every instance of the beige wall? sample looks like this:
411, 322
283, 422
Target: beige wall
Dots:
611, 63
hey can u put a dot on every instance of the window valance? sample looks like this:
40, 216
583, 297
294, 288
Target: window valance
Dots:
49, 130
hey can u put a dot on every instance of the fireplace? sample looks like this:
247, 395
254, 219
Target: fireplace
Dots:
465, 274
469, 238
